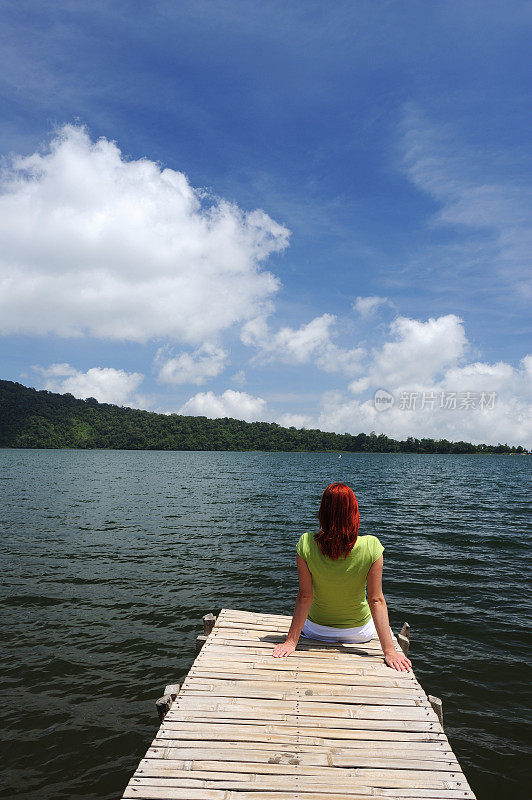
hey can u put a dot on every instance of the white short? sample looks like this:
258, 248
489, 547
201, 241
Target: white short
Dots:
326, 634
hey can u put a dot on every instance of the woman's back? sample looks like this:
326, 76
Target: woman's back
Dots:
339, 585
334, 567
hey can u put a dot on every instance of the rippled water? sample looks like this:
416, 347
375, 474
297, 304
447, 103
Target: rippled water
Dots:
109, 560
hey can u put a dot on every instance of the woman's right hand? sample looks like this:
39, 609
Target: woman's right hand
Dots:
284, 649
398, 661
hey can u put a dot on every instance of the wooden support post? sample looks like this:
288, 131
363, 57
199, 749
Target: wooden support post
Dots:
208, 623
172, 689
403, 643
403, 638
164, 703
405, 630
437, 707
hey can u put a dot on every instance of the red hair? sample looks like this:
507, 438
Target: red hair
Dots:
339, 520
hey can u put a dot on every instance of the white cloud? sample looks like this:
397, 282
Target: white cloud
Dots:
293, 420
419, 351
310, 343
94, 244
359, 385
206, 362
239, 405
255, 332
299, 346
55, 370
366, 306
106, 384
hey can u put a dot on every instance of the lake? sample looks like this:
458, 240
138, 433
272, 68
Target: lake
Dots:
109, 560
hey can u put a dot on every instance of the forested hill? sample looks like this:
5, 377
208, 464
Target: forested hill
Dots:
42, 419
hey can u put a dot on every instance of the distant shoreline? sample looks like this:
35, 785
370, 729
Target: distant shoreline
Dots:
42, 420
293, 452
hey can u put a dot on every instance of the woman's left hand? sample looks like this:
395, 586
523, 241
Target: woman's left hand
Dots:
284, 649
398, 661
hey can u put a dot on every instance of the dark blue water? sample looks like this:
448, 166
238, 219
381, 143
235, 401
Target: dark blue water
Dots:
109, 559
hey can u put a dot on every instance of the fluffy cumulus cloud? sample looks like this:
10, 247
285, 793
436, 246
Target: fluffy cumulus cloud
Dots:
92, 243
239, 405
230, 403
205, 363
418, 351
106, 384
310, 343
292, 420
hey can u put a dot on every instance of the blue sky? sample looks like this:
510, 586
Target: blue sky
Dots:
387, 145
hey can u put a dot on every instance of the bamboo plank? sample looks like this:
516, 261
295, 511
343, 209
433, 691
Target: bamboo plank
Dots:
295, 662
307, 708
303, 650
329, 651
304, 644
420, 726
227, 729
430, 752
355, 759
231, 629
258, 679
388, 777
192, 690
300, 783
304, 723
276, 781
156, 767
170, 793
213, 683
281, 675
416, 750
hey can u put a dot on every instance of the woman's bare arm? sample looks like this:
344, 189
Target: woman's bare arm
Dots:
379, 612
303, 601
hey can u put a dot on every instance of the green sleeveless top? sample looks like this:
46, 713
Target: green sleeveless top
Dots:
340, 585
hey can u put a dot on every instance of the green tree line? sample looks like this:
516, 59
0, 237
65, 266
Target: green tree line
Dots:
40, 419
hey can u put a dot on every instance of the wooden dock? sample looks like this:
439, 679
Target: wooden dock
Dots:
330, 722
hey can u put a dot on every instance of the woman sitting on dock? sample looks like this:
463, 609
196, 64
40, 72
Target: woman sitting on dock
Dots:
334, 567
